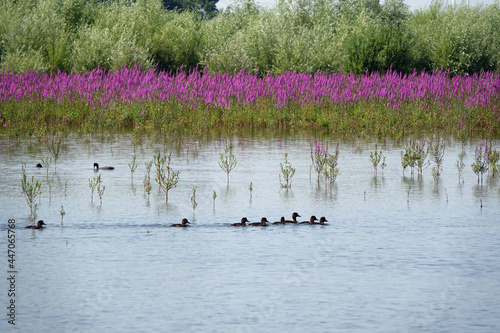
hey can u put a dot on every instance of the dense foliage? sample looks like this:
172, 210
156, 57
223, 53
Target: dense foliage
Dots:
299, 35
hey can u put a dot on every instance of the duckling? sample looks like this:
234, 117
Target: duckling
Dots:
184, 224
243, 223
281, 221
311, 220
294, 218
38, 165
96, 167
262, 222
38, 225
322, 221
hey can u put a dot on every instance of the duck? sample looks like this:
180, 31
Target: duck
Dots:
38, 165
311, 220
39, 225
184, 224
97, 168
294, 218
322, 221
281, 221
262, 222
243, 223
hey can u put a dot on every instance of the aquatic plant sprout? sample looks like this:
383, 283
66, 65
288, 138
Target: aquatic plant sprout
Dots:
166, 177
480, 165
319, 155
287, 171
132, 96
31, 189
227, 160
375, 158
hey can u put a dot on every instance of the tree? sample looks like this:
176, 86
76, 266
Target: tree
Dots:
207, 8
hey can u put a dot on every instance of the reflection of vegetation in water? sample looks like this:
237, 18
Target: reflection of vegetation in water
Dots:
460, 165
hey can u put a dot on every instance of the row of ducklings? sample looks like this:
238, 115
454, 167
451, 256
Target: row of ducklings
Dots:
264, 222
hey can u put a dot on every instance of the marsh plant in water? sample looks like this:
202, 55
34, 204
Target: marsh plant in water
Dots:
227, 160
460, 165
287, 171
330, 169
414, 156
132, 167
93, 185
54, 147
436, 151
319, 155
493, 156
375, 157
31, 189
47, 162
100, 189
480, 165
250, 188
147, 178
214, 195
166, 177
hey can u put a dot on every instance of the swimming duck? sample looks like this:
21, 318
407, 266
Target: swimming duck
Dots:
294, 218
184, 224
281, 221
96, 167
38, 225
262, 222
243, 223
38, 165
311, 220
322, 221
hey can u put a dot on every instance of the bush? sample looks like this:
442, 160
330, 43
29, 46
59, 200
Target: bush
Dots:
295, 35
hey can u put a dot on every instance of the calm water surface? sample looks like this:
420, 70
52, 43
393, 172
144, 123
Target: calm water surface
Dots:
399, 254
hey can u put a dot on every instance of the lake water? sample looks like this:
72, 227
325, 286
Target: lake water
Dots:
400, 254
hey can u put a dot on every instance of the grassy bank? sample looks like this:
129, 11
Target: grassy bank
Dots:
36, 103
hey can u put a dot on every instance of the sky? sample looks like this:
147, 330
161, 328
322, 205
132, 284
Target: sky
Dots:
414, 4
